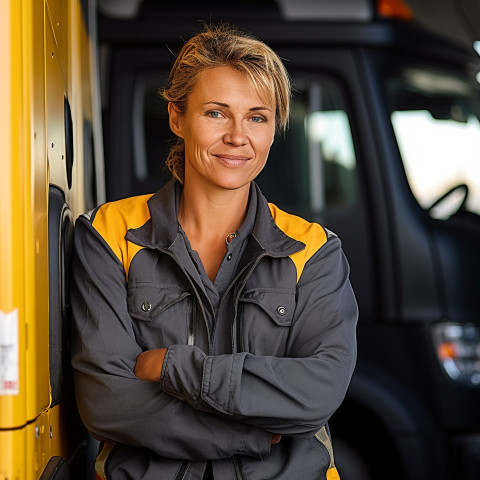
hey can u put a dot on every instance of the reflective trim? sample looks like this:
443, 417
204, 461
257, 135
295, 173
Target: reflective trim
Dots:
322, 436
102, 459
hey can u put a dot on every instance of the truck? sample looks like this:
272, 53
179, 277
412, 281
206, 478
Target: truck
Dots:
382, 148
52, 170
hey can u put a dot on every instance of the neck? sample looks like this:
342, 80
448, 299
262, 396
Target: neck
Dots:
212, 214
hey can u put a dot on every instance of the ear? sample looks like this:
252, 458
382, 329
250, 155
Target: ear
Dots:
175, 120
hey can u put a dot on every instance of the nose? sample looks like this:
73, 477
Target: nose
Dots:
235, 134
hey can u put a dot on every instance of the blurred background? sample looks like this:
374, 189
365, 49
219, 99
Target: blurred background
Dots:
383, 148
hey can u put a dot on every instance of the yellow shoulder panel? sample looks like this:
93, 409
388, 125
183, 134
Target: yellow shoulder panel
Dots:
332, 474
311, 234
114, 219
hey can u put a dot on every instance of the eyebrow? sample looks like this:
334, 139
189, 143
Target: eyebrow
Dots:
226, 105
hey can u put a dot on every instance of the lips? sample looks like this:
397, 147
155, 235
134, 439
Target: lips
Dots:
233, 160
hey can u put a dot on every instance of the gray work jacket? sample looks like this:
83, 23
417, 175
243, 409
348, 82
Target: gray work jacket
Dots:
289, 315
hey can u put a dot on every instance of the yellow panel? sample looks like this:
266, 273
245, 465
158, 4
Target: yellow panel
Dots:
61, 428
13, 183
34, 49
25, 452
38, 358
83, 94
85, 73
41, 443
23, 190
9, 170
12, 462
36, 221
57, 16
81, 97
53, 435
55, 94
76, 89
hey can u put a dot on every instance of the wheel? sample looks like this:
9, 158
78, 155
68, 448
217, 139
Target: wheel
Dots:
349, 463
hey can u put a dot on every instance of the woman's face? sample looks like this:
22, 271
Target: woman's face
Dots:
227, 128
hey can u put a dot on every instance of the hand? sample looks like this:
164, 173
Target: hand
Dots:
276, 439
149, 364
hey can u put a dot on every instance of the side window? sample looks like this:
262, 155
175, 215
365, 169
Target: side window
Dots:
436, 120
312, 169
151, 133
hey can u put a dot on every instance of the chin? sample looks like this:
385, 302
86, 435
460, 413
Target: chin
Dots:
234, 183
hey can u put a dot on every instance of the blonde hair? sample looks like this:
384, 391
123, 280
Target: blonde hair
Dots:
219, 46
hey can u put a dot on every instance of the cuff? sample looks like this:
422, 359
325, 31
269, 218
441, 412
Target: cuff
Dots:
182, 373
255, 443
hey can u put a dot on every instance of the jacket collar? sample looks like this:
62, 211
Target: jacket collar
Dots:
274, 241
161, 230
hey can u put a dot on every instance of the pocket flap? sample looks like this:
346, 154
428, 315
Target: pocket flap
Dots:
147, 301
277, 304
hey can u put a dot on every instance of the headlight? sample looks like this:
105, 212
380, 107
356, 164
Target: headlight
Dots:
458, 350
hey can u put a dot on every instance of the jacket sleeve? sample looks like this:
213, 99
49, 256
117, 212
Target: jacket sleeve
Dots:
292, 395
114, 404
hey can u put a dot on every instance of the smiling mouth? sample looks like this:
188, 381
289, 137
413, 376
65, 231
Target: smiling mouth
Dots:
233, 160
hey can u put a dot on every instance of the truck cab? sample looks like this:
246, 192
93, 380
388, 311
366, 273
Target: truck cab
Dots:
382, 148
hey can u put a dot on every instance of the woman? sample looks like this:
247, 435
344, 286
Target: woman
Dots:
214, 334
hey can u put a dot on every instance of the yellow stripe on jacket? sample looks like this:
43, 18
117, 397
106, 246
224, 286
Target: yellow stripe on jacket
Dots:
114, 219
311, 234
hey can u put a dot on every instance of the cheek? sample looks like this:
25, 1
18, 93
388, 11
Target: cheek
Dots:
205, 137
262, 157
264, 145
269, 137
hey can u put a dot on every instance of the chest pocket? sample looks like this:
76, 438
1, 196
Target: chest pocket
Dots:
162, 315
264, 320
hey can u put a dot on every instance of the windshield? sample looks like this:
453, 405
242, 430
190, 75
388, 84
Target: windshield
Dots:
435, 117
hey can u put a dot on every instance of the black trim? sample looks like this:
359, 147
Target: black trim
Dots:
56, 469
60, 241
89, 173
69, 152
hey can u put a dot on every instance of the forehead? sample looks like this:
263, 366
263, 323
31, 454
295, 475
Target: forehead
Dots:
220, 84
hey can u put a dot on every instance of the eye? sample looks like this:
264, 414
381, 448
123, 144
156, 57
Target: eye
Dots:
258, 119
214, 114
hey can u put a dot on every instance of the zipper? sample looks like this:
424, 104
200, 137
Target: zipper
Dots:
193, 322
182, 473
192, 325
235, 329
232, 283
237, 461
251, 265
191, 336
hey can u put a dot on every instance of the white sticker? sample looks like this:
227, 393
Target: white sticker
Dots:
9, 353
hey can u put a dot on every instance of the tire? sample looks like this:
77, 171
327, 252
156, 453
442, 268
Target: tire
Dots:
350, 465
